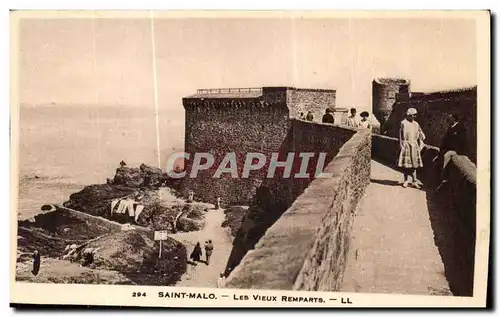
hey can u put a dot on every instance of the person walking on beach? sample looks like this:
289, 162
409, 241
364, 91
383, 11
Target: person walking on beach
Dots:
209, 248
36, 262
196, 254
411, 142
454, 142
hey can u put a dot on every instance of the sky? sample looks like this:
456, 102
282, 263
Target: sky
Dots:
111, 61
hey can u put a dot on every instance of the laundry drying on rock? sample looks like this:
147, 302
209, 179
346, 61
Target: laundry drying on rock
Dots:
126, 206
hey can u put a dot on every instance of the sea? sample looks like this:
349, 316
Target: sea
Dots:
64, 147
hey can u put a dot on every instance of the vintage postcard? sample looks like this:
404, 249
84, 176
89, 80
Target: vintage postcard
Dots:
250, 159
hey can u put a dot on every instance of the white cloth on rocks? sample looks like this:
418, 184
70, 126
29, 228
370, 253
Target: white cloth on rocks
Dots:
126, 206
138, 211
129, 206
113, 204
121, 207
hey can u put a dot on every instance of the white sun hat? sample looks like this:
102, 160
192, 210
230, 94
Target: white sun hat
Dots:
411, 111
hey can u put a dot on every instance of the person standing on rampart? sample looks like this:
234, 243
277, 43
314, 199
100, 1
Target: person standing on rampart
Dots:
328, 116
309, 116
364, 122
352, 121
411, 138
454, 142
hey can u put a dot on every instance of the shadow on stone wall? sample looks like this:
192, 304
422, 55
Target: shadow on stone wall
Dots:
452, 210
276, 194
316, 226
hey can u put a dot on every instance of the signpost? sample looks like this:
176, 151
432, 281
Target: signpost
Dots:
161, 235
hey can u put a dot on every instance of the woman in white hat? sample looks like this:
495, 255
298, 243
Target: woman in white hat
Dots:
411, 139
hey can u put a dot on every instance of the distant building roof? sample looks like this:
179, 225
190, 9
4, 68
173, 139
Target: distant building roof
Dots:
228, 93
395, 80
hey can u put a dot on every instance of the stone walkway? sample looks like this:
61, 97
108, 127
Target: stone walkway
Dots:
202, 275
393, 249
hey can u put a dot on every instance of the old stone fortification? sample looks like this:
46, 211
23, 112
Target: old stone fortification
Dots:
314, 100
94, 220
457, 199
384, 94
276, 194
242, 121
433, 109
304, 244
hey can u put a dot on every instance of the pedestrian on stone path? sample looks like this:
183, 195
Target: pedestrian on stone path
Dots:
209, 247
221, 282
190, 196
197, 253
411, 141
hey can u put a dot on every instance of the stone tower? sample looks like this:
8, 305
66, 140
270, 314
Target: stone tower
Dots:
385, 92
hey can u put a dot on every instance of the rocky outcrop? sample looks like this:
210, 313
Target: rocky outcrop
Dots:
192, 218
126, 257
141, 185
96, 199
176, 217
144, 176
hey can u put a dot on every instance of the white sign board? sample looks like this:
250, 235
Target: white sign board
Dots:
161, 235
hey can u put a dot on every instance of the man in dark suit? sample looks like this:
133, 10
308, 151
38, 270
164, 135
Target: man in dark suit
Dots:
454, 142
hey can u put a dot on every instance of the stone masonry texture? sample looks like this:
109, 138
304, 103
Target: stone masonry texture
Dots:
311, 239
242, 123
314, 100
277, 194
